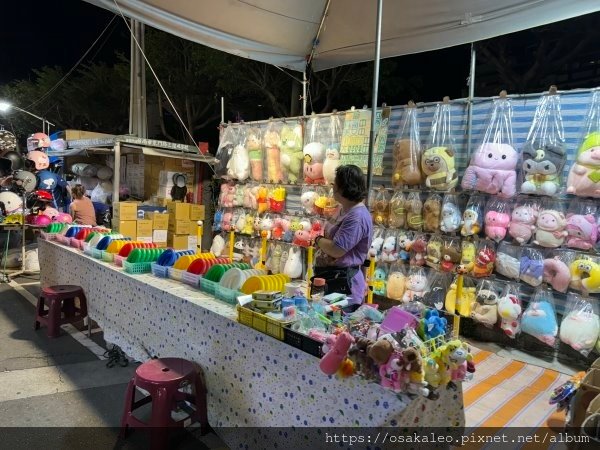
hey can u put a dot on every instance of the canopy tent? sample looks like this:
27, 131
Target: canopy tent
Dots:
282, 32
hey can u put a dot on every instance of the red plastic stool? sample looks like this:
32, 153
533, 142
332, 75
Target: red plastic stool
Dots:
60, 300
162, 379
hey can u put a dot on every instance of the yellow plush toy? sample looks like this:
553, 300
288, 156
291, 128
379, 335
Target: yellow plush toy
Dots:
438, 166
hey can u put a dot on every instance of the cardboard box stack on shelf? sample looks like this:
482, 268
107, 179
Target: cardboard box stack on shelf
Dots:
183, 219
158, 174
125, 219
160, 227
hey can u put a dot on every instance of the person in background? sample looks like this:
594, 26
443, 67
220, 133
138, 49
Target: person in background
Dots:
346, 242
82, 208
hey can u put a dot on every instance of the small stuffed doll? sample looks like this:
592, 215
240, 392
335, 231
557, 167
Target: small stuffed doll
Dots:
250, 197
542, 168
396, 284
433, 325
584, 175
381, 207
255, 153
272, 148
434, 252
217, 247
550, 229
509, 310
314, 156
508, 265
451, 218
333, 359
582, 231
397, 217
585, 275
493, 170
392, 374
406, 169
226, 222
431, 372
414, 211
238, 167
522, 223
293, 265
467, 259
413, 365
496, 225
539, 320
217, 223
416, 286
485, 309
307, 199
332, 162
273, 262
471, 223
450, 257
580, 327
277, 199
375, 249
388, 250
291, 152
262, 200
417, 251
379, 280
556, 274
461, 304
439, 168
484, 262
302, 236
431, 213
457, 357
404, 246
278, 228
266, 225
531, 270
239, 250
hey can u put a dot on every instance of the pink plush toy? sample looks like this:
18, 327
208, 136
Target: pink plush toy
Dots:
337, 353
223, 193
492, 170
582, 231
313, 173
226, 222
392, 374
550, 229
557, 274
228, 196
496, 224
521, 226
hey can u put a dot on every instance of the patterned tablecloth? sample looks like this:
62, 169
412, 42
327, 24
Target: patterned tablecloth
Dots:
253, 380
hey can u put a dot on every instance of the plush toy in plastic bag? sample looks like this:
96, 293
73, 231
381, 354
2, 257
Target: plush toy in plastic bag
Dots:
580, 327
277, 196
414, 211
510, 310
418, 250
272, 152
389, 254
485, 259
468, 252
225, 150
407, 150
550, 226
543, 156
255, 153
437, 162
531, 270
291, 152
376, 243
451, 218
380, 278
332, 151
331, 208
508, 260
539, 318
397, 217
472, 220
439, 283
582, 228
308, 197
379, 201
434, 251
273, 263
585, 274
584, 174
432, 210
493, 164
460, 296
314, 151
417, 286
485, 309
556, 269
523, 218
396, 282
218, 246
451, 255
404, 245
497, 218
238, 167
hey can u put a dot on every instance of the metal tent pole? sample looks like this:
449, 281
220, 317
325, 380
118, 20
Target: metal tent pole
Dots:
471, 96
375, 93
117, 173
304, 92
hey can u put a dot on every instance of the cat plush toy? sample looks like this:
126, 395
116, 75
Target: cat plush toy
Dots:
542, 168
493, 170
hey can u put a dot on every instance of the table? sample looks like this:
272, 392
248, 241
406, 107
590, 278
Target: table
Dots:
253, 380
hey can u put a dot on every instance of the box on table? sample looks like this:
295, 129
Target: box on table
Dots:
177, 241
178, 211
179, 226
144, 227
125, 210
127, 228
192, 242
197, 212
146, 239
160, 221
160, 237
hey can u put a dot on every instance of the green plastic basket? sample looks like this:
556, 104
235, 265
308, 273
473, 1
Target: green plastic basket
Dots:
107, 257
137, 268
208, 286
96, 253
227, 295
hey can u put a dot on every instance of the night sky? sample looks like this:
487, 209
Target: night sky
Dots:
36, 33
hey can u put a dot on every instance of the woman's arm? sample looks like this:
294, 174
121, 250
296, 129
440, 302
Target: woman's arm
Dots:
329, 247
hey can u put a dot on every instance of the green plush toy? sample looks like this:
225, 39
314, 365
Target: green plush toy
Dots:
291, 152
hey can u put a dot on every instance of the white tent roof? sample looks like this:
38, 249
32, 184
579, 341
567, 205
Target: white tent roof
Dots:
281, 32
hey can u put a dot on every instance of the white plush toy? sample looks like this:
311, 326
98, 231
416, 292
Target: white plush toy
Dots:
293, 265
509, 310
308, 200
416, 286
580, 330
375, 250
238, 166
332, 161
451, 218
218, 245
388, 250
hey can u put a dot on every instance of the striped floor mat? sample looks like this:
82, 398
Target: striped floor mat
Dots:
507, 393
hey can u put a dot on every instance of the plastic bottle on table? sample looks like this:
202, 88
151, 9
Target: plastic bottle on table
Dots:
317, 290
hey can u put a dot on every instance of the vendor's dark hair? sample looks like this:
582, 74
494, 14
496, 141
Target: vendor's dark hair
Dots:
78, 191
351, 183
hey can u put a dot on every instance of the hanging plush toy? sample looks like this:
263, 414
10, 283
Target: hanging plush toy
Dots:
438, 166
272, 148
451, 218
485, 309
396, 284
509, 310
522, 223
581, 326
541, 169
557, 274
584, 176
539, 319
291, 152
582, 231
550, 229
332, 162
255, 153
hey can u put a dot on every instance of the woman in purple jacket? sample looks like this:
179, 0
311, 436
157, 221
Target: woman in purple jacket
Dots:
346, 242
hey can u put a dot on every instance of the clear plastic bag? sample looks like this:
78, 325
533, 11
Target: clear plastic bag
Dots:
238, 167
414, 211
585, 274
277, 195
539, 318
308, 198
314, 151
468, 253
380, 276
397, 217
485, 259
460, 296
492, 168
224, 151
418, 250
437, 161
439, 283
451, 216
582, 228
556, 269
497, 218
544, 154
403, 245
407, 151
380, 205
551, 225
272, 153
508, 260
396, 282
580, 326
510, 310
451, 254
531, 270
432, 210
292, 157
332, 207
485, 309
472, 222
584, 174
389, 253
255, 153
377, 243
523, 218
417, 285
332, 151
434, 251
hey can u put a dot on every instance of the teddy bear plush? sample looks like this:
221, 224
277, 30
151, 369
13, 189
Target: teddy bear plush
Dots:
431, 214
417, 251
584, 175
550, 229
397, 217
364, 365
292, 156
493, 170
438, 167
406, 170
413, 365
541, 168
414, 212
450, 257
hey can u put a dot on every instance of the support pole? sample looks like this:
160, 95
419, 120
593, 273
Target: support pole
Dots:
471, 96
375, 93
117, 173
304, 82
222, 109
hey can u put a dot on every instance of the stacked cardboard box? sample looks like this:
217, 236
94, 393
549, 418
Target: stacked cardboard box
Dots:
158, 174
160, 226
183, 224
125, 218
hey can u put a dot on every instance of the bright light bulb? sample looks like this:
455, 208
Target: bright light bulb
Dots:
4, 106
